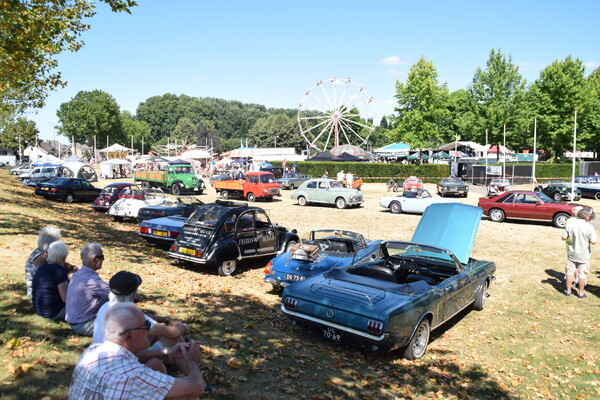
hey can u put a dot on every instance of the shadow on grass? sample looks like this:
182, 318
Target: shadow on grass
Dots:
557, 281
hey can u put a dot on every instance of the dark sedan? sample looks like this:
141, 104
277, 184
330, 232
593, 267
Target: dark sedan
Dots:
67, 189
526, 205
452, 186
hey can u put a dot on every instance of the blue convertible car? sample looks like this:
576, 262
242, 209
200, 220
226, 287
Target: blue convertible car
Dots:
325, 249
396, 301
162, 231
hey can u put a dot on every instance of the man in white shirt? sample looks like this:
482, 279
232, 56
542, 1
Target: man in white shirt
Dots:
579, 235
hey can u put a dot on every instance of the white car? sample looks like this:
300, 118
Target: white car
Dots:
129, 208
412, 201
22, 169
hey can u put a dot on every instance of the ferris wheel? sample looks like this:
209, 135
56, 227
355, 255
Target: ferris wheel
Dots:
335, 109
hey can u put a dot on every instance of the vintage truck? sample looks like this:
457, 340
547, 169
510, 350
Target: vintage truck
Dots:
177, 179
255, 185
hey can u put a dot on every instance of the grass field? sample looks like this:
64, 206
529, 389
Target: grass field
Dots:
530, 342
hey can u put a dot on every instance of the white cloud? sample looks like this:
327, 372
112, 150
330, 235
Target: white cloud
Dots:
395, 72
591, 64
393, 60
199, 80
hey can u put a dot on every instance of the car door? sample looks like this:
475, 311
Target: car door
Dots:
454, 294
76, 188
88, 192
525, 206
265, 234
509, 206
312, 192
245, 234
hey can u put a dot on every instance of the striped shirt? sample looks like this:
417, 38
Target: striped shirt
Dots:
108, 371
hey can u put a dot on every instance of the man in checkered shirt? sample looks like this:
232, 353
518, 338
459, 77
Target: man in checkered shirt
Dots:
112, 370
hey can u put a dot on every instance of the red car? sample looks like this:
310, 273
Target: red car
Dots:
412, 182
115, 191
526, 205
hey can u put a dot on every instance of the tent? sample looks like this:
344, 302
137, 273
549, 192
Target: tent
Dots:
82, 170
48, 161
115, 151
324, 156
348, 148
107, 167
179, 161
191, 154
442, 155
416, 156
494, 149
349, 157
241, 152
73, 158
398, 149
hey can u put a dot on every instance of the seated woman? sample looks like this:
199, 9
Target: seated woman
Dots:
50, 283
47, 235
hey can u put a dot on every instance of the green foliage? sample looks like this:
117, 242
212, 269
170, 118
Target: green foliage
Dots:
32, 34
184, 130
498, 93
9, 137
277, 130
560, 89
90, 114
422, 107
136, 129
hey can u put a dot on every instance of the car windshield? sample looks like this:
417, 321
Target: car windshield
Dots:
337, 234
407, 249
267, 178
503, 182
208, 214
154, 194
544, 198
452, 180
183, 169
290, 175
109, 190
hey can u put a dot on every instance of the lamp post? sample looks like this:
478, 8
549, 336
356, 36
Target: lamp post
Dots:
504, 155
574, 150
534, 153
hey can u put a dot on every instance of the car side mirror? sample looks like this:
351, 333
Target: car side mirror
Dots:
538, 203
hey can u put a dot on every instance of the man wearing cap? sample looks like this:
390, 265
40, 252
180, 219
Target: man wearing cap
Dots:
114, 370
579, 235
164, 337
86, 291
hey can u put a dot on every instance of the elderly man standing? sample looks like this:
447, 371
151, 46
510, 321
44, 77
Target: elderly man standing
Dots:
87, 291
112, 370
579, 234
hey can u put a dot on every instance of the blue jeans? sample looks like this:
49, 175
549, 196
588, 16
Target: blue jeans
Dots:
84, 328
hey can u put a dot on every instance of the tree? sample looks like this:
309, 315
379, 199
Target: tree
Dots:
421, 106
21, 129
498, 93
462, 119
32, 33
91, 114
136, 129
560, 89
278, 130
591, 124
185, 130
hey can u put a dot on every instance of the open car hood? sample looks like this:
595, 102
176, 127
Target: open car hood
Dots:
451, 226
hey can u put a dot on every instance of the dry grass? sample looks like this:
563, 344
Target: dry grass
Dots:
530, 341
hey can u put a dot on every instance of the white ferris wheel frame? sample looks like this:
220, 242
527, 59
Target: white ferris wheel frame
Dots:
335, 112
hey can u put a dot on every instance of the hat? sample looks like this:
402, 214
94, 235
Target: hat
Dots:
576, 210
124, 283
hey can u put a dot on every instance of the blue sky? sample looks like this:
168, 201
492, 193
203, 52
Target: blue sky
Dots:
272, 52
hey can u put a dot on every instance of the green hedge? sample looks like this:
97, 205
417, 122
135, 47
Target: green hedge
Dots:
380, 172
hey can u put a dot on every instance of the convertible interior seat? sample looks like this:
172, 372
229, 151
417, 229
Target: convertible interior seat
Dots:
380, 272
415, 278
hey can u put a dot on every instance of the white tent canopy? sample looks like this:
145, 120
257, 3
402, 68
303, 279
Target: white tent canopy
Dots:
107, 167
195, 154
115, 151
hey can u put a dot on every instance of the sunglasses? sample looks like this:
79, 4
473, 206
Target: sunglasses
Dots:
100, 257
146, 326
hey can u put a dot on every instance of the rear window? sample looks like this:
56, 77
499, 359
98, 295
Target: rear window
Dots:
208, 214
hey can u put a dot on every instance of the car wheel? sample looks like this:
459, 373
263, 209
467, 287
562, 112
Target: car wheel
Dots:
441, 193
227, 267
560, 220
482, 296
292, 186
175, 189
340, 203
145, 185
395, 208
69, 198
251, 197
597, 195
418, 343
290, 244
302, 201
557, 196
225, 194
497, 215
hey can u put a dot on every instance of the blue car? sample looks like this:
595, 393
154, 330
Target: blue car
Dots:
162, 231
325, 249
396, 301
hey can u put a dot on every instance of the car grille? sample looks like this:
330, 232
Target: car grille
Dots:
273, 191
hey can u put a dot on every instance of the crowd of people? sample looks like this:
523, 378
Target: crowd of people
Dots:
131, 349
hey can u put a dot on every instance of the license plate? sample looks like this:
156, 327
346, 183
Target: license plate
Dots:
294, 278
44, 188
161, 233
331, 334
185, 250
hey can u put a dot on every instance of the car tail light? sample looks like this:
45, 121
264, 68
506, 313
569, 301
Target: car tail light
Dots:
158, 214
199, 253
173, 234
174, 248
268, 268
375, 327
290, 303
53, 190
143, 229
